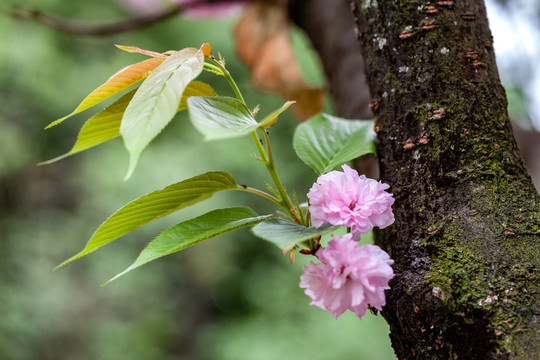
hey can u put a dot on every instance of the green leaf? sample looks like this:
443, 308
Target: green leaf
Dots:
221, 117
156, 205
121, 80
100, 128
156, 102
105, 125
324, 142
194, 231
271, 118
284, 233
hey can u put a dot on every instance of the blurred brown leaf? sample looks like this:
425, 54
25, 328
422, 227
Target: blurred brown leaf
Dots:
262, 37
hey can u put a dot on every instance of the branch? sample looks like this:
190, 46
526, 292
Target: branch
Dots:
74, 27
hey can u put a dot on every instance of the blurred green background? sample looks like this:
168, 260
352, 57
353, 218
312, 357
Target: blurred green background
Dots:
232, 297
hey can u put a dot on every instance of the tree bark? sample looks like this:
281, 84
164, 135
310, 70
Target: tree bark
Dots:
466, 241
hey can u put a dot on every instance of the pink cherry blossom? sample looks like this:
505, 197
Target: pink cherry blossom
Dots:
344, 198
349, 277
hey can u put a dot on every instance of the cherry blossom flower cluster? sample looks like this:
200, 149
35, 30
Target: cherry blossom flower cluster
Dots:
349, 277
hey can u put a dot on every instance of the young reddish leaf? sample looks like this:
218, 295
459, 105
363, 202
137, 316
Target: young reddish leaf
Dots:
156, 101
156, 205
134, 49
116, 83
105, 125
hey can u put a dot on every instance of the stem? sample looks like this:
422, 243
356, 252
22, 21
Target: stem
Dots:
299, 209
284, 200
260, 193
294, 211
217, 66
214, 67
229, 79
270, 165
268, 147
259, 146
307, 217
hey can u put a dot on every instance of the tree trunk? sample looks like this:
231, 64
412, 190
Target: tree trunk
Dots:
467, 235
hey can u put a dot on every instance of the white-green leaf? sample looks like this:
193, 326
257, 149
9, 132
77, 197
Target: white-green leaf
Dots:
324, 142
155, 205
155, 103
194, 231
271, 118
284, 233
221, 117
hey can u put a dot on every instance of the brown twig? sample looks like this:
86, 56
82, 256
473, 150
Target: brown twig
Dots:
74, 27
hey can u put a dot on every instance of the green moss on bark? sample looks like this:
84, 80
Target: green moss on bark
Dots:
466, 239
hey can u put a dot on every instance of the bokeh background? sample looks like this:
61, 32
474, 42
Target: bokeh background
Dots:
232, 297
